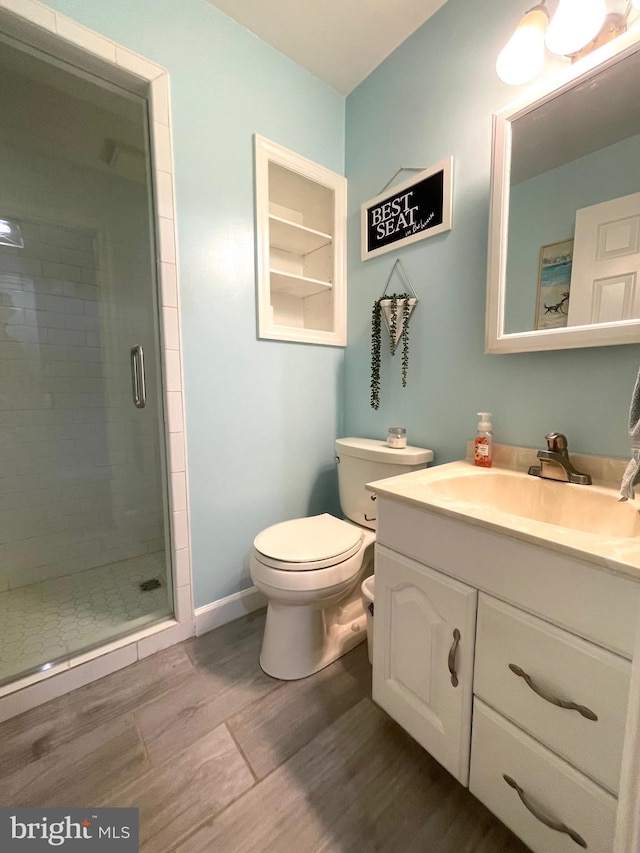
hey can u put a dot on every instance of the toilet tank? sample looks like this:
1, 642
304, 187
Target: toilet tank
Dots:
362, 460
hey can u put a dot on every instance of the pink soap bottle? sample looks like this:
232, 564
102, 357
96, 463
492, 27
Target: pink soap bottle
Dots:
483, 445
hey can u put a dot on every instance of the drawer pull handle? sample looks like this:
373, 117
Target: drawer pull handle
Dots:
537, 812
452, 657
549, 697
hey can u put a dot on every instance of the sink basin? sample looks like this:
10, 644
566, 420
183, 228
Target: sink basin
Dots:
588, 522
589, 509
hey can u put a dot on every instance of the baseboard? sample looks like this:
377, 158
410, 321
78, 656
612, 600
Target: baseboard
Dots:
228, 609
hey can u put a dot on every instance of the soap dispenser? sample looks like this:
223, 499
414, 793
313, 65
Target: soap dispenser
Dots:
483, 445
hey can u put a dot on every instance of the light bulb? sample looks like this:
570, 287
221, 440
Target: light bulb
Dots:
523, 56
635, 4
575, 24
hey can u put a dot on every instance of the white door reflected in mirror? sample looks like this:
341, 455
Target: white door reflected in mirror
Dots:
606, 263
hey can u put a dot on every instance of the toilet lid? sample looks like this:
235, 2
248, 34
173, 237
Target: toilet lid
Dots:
309, 540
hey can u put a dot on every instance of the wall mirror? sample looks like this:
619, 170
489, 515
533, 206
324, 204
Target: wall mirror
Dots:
564, 230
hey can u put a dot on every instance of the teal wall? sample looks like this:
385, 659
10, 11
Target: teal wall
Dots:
542, 210
261, 415
434, 96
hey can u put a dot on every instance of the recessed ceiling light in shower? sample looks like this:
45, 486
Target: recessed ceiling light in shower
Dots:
10, 234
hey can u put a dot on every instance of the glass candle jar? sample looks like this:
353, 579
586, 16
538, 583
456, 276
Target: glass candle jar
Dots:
397, 437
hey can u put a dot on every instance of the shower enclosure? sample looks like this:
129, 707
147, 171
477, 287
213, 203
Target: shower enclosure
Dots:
84, 533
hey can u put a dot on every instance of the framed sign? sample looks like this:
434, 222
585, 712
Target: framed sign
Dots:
554, 285
411, 211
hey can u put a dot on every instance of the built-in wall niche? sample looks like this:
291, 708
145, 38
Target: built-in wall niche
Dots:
300, 231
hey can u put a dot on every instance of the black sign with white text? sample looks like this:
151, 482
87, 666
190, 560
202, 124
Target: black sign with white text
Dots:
413, 210
406, 214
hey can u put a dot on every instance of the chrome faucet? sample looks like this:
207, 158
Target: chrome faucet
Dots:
555, 463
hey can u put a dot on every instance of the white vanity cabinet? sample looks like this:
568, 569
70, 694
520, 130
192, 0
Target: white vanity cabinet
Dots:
543, 678
423, 671
301, 258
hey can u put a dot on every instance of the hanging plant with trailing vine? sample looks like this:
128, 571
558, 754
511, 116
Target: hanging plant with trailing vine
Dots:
406, 312
393, 323
376, 339
376, 334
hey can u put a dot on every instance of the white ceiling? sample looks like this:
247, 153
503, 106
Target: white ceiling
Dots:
592, 115
339, 41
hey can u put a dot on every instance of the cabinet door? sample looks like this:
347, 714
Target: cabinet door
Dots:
424, 627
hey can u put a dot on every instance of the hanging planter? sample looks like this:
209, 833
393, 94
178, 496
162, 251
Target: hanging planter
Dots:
395, 311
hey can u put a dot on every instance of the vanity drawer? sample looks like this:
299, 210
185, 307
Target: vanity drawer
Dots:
553, 789
559, 665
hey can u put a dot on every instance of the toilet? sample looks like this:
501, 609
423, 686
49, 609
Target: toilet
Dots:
311, 569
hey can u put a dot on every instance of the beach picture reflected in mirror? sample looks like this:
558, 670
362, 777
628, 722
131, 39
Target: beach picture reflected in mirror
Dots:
554, 285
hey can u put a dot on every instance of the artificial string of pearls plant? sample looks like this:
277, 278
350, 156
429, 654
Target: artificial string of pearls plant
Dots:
376, 339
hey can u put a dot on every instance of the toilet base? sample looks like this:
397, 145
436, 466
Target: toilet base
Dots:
302, 639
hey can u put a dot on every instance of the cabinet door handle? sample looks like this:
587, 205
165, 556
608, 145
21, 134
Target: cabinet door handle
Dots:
537, 812
452, 657
549, 697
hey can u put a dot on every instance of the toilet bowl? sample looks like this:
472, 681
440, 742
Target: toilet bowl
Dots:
311, 569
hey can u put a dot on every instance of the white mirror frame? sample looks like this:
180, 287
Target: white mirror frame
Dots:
497, 341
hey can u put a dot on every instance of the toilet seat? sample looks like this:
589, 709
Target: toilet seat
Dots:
308, 544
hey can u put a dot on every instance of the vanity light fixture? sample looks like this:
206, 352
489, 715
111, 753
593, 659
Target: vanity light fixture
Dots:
576, 28
522, 58
575, 24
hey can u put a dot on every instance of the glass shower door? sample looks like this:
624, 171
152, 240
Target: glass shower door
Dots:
84, 541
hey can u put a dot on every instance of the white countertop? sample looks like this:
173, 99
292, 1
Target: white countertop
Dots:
602, 511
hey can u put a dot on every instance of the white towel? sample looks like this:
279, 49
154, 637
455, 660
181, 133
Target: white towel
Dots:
631, 476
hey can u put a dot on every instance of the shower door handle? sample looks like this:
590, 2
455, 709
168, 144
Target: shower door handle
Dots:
137, 377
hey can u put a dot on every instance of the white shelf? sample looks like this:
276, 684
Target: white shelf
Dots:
301, 217
292, 237
296, 285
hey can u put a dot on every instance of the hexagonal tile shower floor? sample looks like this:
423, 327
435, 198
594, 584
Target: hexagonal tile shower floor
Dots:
57, 618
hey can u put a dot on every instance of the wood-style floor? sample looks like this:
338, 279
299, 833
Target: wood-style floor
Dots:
220, 757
